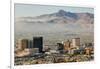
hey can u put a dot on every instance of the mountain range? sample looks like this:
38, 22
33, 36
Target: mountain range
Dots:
60, 17
58, 25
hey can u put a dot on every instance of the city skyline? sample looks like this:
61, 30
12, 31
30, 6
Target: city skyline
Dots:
58, 34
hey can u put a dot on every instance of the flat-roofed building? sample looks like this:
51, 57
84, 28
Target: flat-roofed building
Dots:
32, 51
60, 46
75, 42
38, 43
30, 44
67, 45
25, 43
22, 44
27, 52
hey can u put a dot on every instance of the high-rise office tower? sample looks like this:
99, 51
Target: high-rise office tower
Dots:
38, 43
75, 42
31, 44
67, 45
22, 44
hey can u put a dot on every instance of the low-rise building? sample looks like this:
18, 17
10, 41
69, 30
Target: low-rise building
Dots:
26, 52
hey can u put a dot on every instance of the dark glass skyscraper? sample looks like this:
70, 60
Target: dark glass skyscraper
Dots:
38, 43
31, 44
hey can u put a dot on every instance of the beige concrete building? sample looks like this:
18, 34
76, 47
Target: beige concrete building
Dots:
75, 42
22, 44
26, 52
67, 45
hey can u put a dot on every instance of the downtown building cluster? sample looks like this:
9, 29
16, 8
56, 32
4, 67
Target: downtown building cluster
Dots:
36, 52
25, 47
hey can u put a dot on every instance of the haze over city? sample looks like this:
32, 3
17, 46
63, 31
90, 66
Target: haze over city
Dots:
45, 32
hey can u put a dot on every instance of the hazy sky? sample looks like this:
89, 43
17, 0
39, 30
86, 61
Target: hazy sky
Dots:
36, 10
